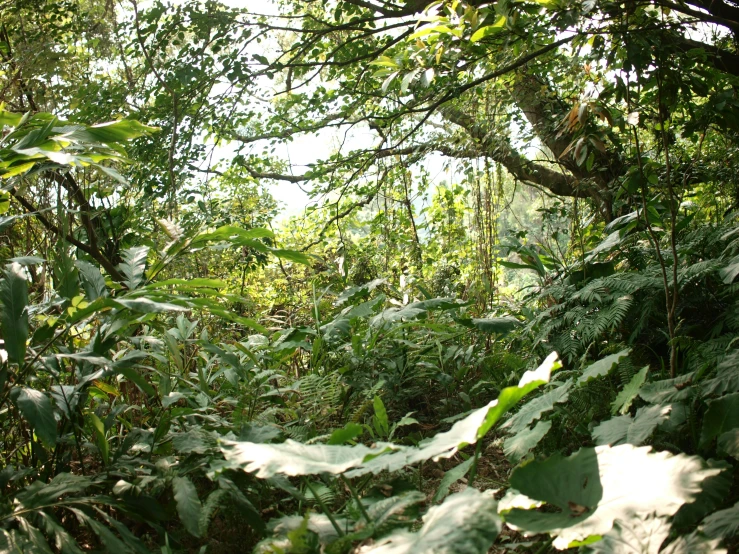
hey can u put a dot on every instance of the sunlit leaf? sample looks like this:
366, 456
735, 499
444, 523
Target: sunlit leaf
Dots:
643, 534
113, 132
293, 458
466, 523
498, 325
147, 305
694, 543
596, 486
488, 30
533, 409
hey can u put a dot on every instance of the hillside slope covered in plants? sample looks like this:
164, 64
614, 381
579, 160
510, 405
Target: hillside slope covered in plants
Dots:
505, 320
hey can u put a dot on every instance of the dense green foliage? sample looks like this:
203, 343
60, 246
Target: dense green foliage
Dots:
506, 319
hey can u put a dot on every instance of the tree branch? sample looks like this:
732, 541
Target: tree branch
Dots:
501, 151
94, 253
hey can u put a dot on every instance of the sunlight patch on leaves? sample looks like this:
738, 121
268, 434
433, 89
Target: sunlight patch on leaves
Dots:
596, 486
293, 458
693, 543
466, 523
533, 410
636, 535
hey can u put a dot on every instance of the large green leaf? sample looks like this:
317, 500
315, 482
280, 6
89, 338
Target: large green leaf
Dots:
36, 409
729, 273
231, 233
92, 280
98, 431
623, 400
668, 390
111, 133
722, 524
510, 396
602, 367
291, 255
293, 458
722, 416
39, 493
148, 306
392, 512
133, 265
195, 440
694, 543
571, 484
13, 315
714, 492
354, 294
498, 325
596, 486
642, 534
631, 430
466, 523
451, 477
414, 310
345, 434
729, 443
188, 504
517, 446
726, 379
380, 421
465, 431
533, 409
63, 541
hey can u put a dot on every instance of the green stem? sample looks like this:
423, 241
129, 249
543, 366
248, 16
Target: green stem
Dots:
473, 471
545, 546
326, 511
356, 498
